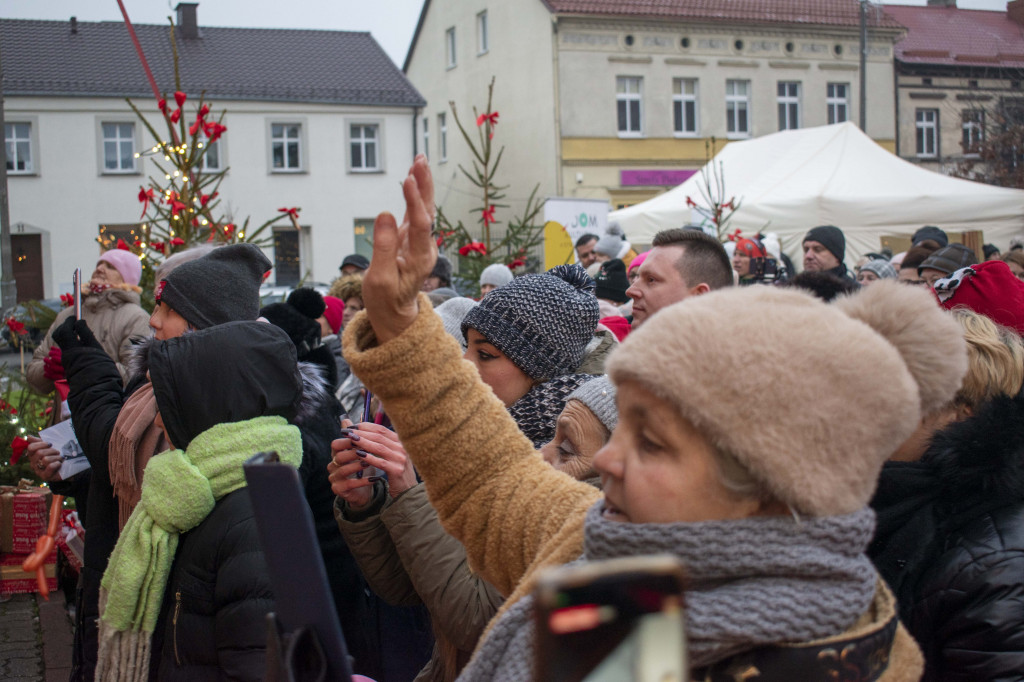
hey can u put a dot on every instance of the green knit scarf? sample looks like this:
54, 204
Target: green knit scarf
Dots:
179, 490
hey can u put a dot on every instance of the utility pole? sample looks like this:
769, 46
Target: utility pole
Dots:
864, 65
8, 287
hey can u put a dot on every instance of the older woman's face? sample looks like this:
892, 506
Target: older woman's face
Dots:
579, 434
657, 468
352, 306
504, 377
105, 273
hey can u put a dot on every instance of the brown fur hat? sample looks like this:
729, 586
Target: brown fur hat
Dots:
831, 389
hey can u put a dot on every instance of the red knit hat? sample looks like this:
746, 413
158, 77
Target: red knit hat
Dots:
749, 248
989, 289
334, 312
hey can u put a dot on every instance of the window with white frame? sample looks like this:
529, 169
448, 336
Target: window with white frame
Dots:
737, 108
684, 106
788, 98
212, 160
18, 140
426, 137
364, 147
286, 147
449, 47
442, 138
973, 124
482, 40
118, 147
629, 103
837, 100
927, 133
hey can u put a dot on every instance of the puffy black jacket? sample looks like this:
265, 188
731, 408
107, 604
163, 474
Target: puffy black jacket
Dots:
213, 618
950, 542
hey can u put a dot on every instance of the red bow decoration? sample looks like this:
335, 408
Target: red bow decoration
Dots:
177, 241
488, 215
293, 212
67, 300
180, 98
146, 196
517, 263
204, 110
691, 203
229, 229
194, 128
473, 247
121, 245
214, 130
177, 206
16, 327
205, 198
18, 447
735, 236
137, 243
158, 246
491, 118
161, 104
175, 115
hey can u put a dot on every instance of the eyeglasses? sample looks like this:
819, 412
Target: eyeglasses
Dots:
915, 282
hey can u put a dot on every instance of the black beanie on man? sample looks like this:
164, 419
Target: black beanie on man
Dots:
831, 237
930, 232
612, 281
222, 286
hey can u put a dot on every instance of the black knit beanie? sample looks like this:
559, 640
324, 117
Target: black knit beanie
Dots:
541, 322
612, 281
222, 286
831, 237
443, 271
929, 232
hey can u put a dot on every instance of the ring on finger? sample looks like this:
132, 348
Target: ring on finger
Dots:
40, 465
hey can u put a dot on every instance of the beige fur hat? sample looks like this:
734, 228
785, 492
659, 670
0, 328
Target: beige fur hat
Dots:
827, 394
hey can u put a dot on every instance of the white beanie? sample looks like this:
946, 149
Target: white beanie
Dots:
496, 274
613, 244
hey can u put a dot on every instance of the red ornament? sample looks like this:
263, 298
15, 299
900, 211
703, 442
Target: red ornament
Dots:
180, 98
18, 447
121, 245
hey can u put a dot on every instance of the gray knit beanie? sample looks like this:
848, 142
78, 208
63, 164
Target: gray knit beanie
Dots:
541, 322
613, 243
496, 274
222, 286
452, 312
599, 397
881, 267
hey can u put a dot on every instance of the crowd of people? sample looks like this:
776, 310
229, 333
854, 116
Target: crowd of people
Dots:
835, 457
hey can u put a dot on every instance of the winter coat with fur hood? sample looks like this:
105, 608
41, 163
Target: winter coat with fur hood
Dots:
950, 542
114, 316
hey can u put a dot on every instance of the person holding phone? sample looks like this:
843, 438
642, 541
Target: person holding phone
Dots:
773, 538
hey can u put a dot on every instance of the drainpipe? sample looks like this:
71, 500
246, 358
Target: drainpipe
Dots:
415, 118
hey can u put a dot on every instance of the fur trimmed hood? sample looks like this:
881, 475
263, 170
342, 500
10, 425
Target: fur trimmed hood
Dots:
982, 458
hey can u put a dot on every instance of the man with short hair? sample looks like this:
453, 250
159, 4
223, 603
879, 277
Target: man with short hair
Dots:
824, 250
354, 264
585, 249
682, 263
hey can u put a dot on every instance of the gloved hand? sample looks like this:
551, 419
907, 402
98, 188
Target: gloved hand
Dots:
52, 367
74, 333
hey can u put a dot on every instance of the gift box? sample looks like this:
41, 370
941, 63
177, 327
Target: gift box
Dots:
13, 580
24, 512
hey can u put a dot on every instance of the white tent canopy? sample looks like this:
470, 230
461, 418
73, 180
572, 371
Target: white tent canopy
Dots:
791, 181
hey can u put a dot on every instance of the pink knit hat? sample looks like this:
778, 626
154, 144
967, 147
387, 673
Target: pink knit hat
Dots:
126, 263
637, 261
334, 312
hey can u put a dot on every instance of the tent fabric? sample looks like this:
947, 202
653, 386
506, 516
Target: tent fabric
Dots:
791, 181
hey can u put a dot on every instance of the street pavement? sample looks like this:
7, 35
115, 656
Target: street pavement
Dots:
35, 639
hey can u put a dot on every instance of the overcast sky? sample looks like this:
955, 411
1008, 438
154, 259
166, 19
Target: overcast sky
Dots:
391, 22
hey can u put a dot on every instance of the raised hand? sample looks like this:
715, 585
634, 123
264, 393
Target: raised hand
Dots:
403, 256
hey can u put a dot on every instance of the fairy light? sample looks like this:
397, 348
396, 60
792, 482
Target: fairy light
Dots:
200, 145
241, 235
205, 221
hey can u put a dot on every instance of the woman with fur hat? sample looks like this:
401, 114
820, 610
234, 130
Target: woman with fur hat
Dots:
950, 538
186, 592
110, 304
773, 540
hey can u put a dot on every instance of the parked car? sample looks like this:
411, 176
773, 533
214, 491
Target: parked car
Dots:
279, 293
37, 316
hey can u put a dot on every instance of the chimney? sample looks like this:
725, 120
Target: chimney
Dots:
942, 3
1015, 10
74, 25
187, 25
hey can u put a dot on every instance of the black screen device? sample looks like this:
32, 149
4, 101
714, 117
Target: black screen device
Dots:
301, 592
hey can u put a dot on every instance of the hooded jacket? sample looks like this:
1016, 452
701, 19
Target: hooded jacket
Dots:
950, 542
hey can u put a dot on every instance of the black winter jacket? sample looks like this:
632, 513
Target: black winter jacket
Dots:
950, 542
213, 618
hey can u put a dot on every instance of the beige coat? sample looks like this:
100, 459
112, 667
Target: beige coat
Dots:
114, 316
514, 513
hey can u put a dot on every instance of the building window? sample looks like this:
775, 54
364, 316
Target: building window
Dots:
118, 147
449, 46
789, 105
18, 140
212, 160
684, 106
737, 108
838, 102
442, 135
629, 104
287, 256
482, 41
286, 147
426, 137
973, 124
363, 144
927, 133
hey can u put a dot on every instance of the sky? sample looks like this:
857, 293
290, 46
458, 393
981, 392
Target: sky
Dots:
391, 22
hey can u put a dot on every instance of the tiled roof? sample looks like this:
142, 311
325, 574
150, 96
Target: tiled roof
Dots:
336, 67
818, 12
964, 37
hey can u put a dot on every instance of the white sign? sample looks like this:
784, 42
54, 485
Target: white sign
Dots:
577, 216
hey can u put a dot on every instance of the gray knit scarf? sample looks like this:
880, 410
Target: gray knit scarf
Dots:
537, 411
751, 582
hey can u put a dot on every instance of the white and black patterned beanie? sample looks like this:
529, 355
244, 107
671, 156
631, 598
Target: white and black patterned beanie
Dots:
541, 322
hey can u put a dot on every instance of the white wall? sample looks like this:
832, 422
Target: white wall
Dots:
69, 198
